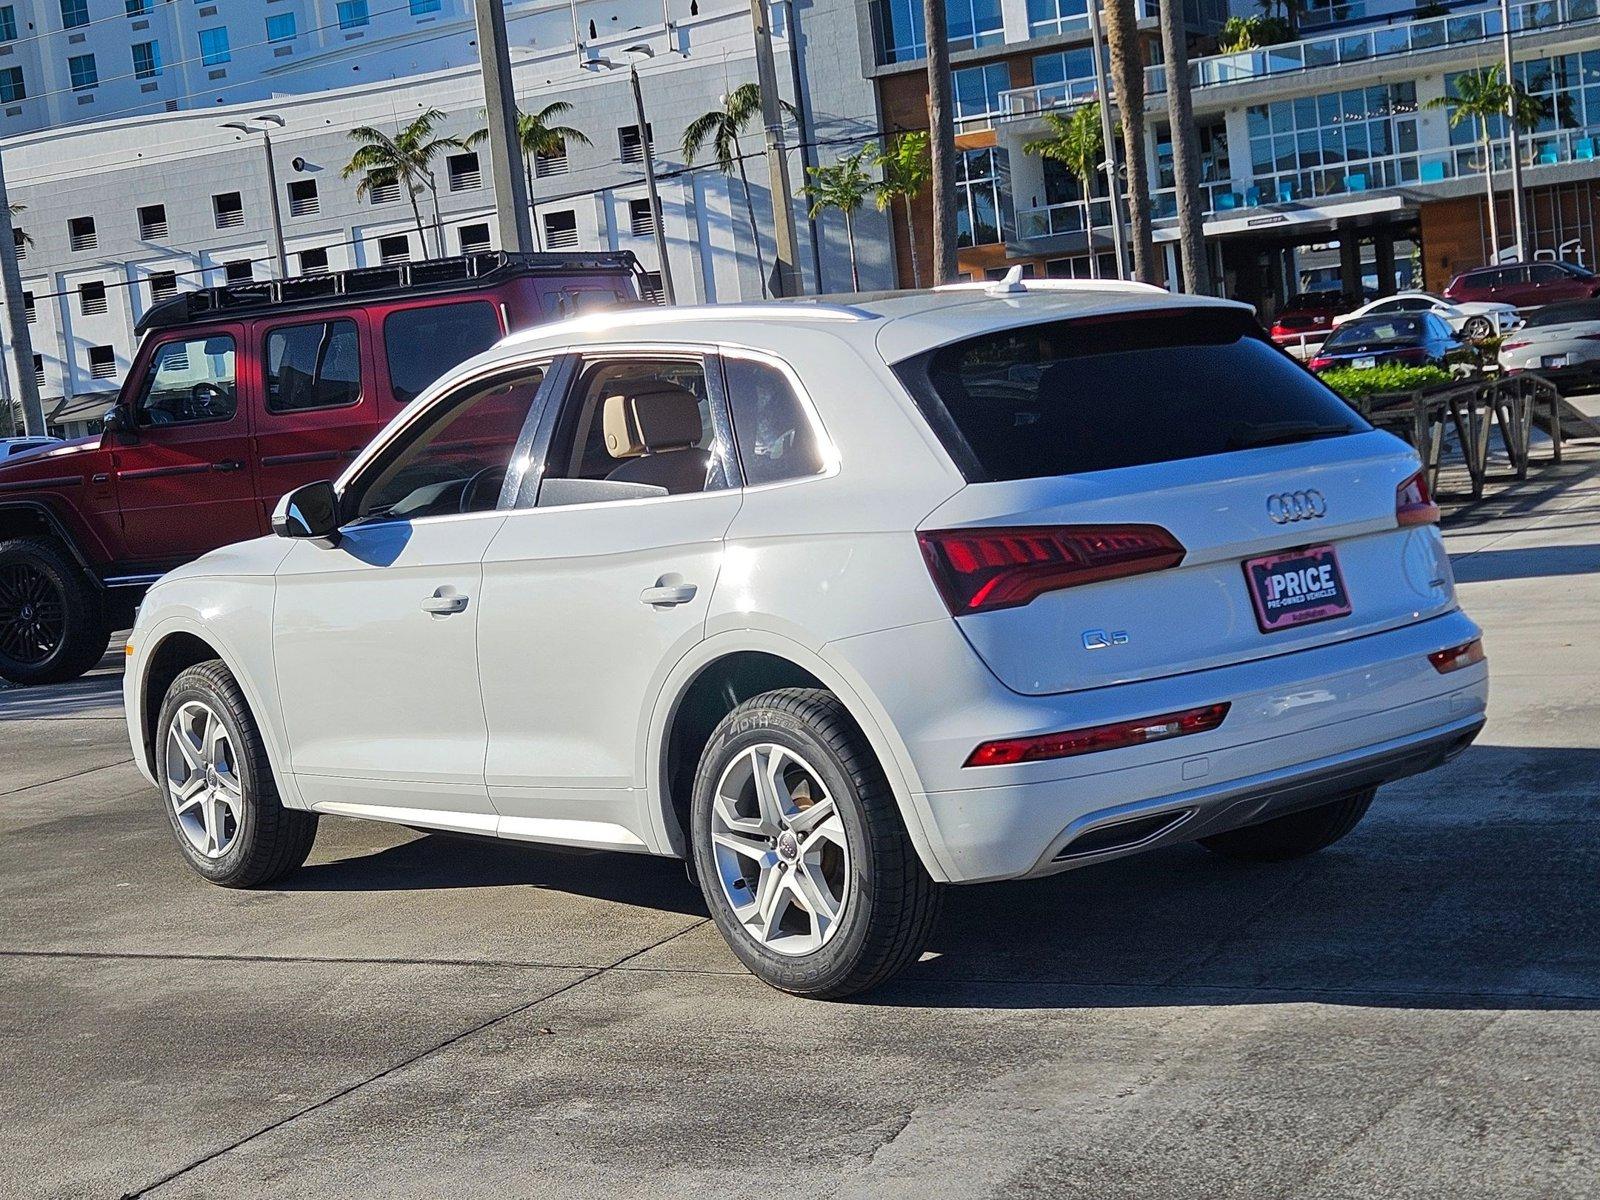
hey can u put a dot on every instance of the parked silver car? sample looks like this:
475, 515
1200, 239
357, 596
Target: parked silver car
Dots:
1561, 339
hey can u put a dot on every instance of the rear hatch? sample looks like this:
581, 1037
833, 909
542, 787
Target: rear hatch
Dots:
1162, 493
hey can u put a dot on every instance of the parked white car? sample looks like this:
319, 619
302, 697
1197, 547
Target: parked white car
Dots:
1560, 339
1473, 320
843, 603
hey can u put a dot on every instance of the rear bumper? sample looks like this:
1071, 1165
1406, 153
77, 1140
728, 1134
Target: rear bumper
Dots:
1303, 727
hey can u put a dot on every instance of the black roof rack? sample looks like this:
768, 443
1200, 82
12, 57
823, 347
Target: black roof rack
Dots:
396, 281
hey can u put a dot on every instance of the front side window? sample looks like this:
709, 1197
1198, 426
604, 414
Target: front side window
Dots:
313, 366
454, 459
634, 429
421, 344
776, 436
189, 380
1066, 397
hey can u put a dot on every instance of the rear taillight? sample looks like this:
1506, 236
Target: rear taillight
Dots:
1097, 737
1504, 346
1320, 363
1412, 503
1412, 354
1456, 657
983, 569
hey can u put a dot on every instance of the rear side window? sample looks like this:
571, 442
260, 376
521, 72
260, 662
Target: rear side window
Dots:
423, 343
776, 437
1073, 396
313, 366
1561, 314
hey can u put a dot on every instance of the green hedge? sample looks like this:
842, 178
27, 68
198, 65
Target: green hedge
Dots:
1355, 384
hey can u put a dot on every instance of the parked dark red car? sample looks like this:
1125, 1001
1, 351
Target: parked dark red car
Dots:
236, 396
1527, 285
1307, 317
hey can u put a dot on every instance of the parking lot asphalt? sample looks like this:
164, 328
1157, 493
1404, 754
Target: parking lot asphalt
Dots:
1415, 1012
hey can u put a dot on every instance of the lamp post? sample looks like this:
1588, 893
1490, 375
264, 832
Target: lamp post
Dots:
1511, 128
1108, 136
17, 321
264, 125
648, 152
500, 107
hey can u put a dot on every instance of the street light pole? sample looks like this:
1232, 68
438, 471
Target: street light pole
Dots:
500, 106
786, 275
17, 319
658, 218
264, 125
1108, 136
1511, 126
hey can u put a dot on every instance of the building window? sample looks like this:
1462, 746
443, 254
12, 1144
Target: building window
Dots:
19, 240
303, 200
228, 209
898, 29
82, 70
1063, 66
240, 270
1046, 17
545, 165
153, 221
314, 262
474, 238
137, 8
353, 14
28, 309
38, 370
983, 197
280, 27
629, 146
1322, 145
214, 47
8, 23
651, 287
464, 173
977, 91
102, 362
386, 192
91, 298
12, 88
561, 229
80, 233
641, 218
163, 285
74, 13
421, 8
146, 60
396, 249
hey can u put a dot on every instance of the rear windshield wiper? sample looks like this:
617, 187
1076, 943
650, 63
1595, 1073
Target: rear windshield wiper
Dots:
1277, 433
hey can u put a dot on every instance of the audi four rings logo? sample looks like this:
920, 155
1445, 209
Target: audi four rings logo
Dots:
1296, 506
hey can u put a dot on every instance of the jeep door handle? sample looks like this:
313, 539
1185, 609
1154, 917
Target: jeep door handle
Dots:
230, 465
667, 595
444, 602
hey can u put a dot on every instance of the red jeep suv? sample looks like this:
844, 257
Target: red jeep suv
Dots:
236, 396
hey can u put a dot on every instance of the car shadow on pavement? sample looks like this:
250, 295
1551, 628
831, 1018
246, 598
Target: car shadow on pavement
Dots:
1531, 562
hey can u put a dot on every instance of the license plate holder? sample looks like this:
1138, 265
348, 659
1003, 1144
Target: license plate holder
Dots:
1296, 587
1365, 364
1554, 362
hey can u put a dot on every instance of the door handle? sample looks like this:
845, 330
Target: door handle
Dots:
229, 465
665, 595
444, 602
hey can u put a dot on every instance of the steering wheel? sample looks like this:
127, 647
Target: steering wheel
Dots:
209, 400
481, 481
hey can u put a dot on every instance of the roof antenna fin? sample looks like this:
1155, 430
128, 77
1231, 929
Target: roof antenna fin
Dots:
1010, 284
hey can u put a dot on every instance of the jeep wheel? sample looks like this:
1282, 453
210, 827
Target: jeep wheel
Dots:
52, 619
800, 849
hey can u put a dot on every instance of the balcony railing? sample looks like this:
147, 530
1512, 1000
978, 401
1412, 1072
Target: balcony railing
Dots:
1055, 220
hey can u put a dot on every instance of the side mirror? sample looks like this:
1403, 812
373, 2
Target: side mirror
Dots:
119, 424
310, 511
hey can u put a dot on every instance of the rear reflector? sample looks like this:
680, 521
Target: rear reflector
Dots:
1453, 659
982, 569
1097, 737
1412, 503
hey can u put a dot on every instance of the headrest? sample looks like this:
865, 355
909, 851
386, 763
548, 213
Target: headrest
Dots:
649, 416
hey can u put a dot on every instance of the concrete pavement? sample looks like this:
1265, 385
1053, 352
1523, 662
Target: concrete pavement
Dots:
1413, 1013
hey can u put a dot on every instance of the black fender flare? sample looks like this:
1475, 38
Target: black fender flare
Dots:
59, 529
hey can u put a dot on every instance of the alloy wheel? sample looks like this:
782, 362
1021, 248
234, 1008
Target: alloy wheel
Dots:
782, 857
33, 614
203, 783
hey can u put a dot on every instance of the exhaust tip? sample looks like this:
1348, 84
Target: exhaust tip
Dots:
1121, 835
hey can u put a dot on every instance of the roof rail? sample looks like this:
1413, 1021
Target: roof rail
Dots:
1013, 284
394, 280
677, 315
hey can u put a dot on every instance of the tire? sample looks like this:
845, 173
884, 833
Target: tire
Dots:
1295, 835
859, 852
1477, 328
250, 839
52, 618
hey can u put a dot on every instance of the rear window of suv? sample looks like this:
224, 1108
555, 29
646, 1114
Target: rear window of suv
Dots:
1067, 397
423, 343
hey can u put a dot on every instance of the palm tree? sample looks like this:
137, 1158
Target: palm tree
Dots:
941, 123
1076, 141
721, 128
1127, 81
906, 170
844, 185
1480, 97
1185, 150
405, 158
538, 138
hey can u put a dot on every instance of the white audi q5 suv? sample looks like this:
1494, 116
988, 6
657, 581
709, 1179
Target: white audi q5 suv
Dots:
841, 602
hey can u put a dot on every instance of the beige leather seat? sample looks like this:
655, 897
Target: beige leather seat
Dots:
654, 428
